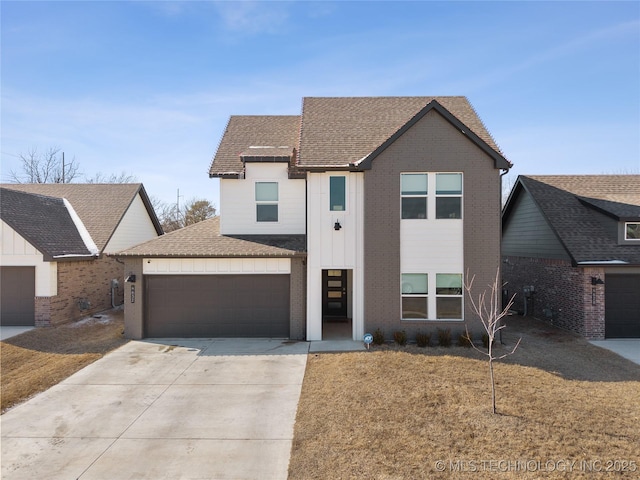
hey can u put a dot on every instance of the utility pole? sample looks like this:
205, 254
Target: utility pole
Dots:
62, 167
178, 205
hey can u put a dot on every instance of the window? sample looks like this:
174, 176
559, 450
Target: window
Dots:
267, 201
337, 194
448, 296
632, 231
413, 189
414, 296
448, 195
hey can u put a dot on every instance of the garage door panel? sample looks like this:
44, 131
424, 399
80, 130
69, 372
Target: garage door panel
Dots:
217, 306
17, 293
622, 306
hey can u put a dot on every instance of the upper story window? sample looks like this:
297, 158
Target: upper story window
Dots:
413, 190
337, 194
448, 195
267, 201
632, 231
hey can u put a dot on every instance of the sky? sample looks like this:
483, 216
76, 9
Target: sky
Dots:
148, 87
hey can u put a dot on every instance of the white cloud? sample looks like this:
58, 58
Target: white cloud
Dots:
252, 17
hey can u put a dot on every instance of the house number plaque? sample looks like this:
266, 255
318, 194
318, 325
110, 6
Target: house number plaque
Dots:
133, 294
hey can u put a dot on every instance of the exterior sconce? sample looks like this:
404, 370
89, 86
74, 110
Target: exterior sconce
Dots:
131, 278
596, 281
337, 225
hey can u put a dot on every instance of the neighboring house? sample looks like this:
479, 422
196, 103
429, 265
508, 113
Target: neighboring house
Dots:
396, 197
53, 244
571, 248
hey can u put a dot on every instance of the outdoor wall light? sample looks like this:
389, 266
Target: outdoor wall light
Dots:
131, 278
596, 281
337, 225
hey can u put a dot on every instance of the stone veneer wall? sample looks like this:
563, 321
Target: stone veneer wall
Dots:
563, 294
298, 299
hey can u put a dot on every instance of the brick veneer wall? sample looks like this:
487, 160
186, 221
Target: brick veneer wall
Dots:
431, 145
90, 280
563, 294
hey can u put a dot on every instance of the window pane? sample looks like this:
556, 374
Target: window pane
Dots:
266, 191
449, 307
448, 207
633, 231
449, 183
414, 207
448, 284
413, 183
414, 283
337, 193
414, 307
267, 213
334, 273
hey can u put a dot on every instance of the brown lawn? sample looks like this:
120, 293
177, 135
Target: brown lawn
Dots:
410, 413
36, 360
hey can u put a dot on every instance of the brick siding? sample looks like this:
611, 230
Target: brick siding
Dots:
88, 281
563, 294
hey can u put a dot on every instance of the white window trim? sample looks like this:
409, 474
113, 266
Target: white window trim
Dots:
346, 193
266, 202
626, 239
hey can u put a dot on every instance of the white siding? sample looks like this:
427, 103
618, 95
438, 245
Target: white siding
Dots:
134, 228
215, 266
334, 249
238, 198
15, 251
432, 246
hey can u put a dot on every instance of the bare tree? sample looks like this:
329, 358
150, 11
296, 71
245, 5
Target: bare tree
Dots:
193, 211
122, 177
491, 315
45, 167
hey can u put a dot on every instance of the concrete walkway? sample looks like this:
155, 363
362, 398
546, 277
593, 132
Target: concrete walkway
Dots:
628, 348
221, 408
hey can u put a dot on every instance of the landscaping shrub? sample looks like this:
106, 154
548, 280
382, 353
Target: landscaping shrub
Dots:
378, 337
444, 337
400, 337
423, 339
464, 340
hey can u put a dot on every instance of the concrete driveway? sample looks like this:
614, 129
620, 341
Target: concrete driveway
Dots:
181, 409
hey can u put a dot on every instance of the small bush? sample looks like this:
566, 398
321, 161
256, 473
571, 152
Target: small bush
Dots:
464, 340
400, 337
444, 337
378, 337
423, 339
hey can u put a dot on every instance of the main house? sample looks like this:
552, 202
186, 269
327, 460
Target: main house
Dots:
364, 212
571, 246
54, 241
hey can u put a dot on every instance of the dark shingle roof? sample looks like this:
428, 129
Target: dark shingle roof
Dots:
45, 222
335, 131
203, 239
340, 131
99, 206
561, 199
247, 131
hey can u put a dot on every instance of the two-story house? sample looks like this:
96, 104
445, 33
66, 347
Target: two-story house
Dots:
359, 213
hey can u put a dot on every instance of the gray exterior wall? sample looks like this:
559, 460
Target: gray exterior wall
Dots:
431, 145
526, 233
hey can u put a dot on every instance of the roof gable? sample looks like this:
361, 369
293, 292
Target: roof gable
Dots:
343, 132
567, 203
47, 223
101, 207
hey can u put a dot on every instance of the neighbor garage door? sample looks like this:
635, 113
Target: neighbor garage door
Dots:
622, 306
17, 292
217, 306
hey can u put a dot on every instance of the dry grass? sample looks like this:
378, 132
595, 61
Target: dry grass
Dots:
393, 412
38, 359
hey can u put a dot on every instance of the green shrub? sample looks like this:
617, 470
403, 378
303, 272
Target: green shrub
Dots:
444, 337
423, 339
378, 337
464, 340
400, 337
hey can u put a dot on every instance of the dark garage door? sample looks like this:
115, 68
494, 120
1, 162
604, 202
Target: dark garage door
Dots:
18, 290
217, 306
622, 306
